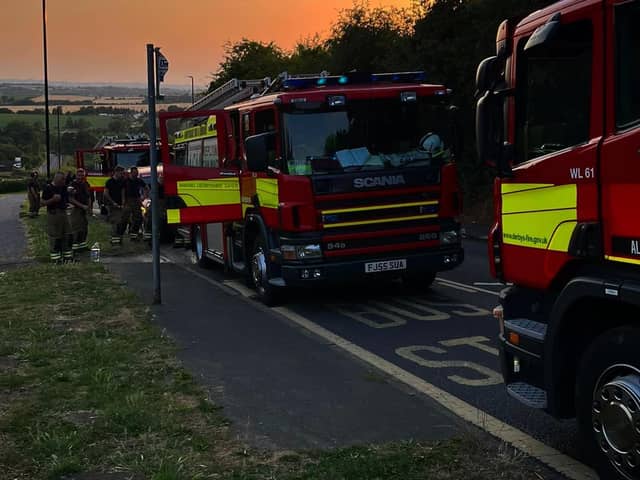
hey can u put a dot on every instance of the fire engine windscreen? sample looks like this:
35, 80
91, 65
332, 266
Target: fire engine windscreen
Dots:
366, 134
138, 158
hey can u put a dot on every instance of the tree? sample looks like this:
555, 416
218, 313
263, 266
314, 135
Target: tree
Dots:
372, 40
249, 59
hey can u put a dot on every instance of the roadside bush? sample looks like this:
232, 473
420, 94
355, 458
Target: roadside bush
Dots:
12, 185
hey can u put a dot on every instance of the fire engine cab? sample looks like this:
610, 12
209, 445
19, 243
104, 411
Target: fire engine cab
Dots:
558, 116
321, 179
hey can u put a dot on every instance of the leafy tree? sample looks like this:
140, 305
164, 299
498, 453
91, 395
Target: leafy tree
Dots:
309, 56
249, 59
367, 39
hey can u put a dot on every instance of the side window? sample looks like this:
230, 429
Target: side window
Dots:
246, 125
265, 121
627, 20
553, 92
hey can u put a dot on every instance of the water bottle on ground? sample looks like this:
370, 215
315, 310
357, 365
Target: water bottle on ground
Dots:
95, 252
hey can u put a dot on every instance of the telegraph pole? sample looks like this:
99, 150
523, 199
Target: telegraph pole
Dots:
46, 88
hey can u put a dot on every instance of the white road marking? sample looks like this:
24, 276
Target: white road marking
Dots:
464, 289
452, 284
491, 284
550, 456
490, 377
475, 342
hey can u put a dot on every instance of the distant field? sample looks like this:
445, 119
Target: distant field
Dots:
96, 121
71, 98
138, 107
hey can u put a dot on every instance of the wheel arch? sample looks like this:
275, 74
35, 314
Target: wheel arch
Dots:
576, 320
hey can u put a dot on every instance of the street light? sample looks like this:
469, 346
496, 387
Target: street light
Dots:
58, 111
192, 97
46, 87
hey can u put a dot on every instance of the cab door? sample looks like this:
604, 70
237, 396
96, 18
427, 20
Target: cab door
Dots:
620, 163
556, 130
200, 187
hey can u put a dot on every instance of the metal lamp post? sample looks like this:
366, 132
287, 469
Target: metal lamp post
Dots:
46, 88
192, 96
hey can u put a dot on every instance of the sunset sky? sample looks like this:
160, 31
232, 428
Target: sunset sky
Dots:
104, 40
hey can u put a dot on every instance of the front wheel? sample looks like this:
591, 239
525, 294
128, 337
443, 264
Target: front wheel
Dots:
608, 403
260, 274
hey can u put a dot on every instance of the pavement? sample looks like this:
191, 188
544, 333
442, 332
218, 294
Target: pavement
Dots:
281, 387
13, 245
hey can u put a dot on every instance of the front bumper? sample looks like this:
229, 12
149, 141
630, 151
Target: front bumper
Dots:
436, 260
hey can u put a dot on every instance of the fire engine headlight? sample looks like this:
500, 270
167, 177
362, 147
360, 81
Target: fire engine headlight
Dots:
305, 252
301, 252
449, 237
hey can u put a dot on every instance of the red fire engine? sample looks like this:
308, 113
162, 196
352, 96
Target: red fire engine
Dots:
559, 118
322, 179
100, 162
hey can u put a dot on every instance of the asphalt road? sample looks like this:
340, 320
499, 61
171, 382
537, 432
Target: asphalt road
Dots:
444, 335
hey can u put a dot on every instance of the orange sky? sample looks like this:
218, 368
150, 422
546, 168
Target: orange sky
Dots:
104, 40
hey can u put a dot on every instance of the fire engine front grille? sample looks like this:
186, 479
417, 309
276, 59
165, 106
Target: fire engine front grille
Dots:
337, 213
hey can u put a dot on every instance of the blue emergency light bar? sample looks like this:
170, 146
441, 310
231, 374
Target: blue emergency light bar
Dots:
354, 78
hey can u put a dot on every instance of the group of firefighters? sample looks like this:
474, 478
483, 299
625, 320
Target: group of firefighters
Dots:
69, 203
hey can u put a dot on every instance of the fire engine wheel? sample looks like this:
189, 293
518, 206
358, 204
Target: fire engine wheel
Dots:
608, 403
268, 294
198, 248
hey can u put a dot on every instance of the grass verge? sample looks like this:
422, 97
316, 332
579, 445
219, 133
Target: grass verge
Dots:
90, 387
99, 231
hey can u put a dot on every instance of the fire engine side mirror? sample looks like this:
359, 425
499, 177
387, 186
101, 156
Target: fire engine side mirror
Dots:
544, 34
486, 75
257, 149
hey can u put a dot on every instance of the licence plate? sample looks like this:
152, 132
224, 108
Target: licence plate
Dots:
385, 266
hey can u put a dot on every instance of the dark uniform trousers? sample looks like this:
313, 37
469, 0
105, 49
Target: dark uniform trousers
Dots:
79, 228
60, 236
132, 215
34, 204
116, 219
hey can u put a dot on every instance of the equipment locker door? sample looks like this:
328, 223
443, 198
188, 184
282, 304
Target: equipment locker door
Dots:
202, 188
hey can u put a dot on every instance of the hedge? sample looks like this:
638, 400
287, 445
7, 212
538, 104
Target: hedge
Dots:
13, 185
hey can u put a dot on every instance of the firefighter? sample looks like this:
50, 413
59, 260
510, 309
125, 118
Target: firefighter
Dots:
132, 213
33, 192
114, 200
80, 198
56, 198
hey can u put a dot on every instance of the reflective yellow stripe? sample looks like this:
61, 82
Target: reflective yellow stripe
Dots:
173, 215
96, 181
539, 215
379, 207
518, 187
218, 191
382, 220
267, 190
562, 237
622, 259
534, 229
542, 198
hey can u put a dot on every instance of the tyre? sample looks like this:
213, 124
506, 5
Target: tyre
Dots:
419, 281
608, 403
259, 274
199, 246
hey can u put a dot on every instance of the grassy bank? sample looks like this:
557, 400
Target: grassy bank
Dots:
89, 385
